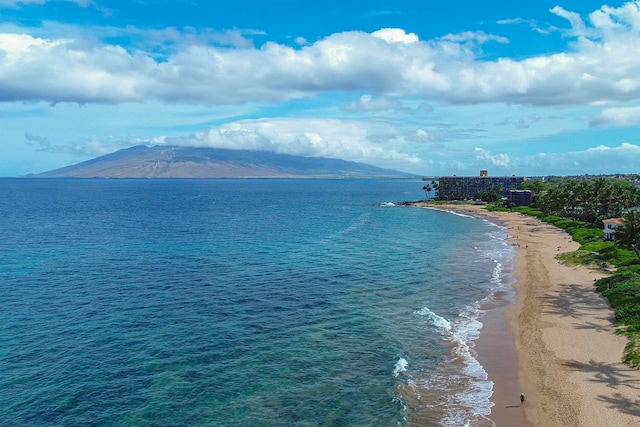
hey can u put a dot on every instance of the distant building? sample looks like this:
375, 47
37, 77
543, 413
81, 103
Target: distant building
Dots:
521, 197
474, 187
610, 227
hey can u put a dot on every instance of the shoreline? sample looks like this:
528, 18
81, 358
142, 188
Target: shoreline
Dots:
553, 338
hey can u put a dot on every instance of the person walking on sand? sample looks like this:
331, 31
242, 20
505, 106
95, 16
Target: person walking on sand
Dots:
521, 399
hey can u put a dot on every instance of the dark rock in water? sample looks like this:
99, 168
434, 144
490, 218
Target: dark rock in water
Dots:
407, 203
288, 413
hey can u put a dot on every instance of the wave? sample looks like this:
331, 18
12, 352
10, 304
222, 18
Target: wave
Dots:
400, 366
501, 253
460, 214
459, 389
355, 225
439, 322
451, 212
496, 273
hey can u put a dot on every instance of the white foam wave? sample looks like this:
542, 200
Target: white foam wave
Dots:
461, 383
498, 250
387, 204
495, 274
439, 322
460, 214
477, 394
355, 225
466, 330
471, 403
400, 366
448, 211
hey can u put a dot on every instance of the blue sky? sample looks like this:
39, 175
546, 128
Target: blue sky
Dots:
433, 88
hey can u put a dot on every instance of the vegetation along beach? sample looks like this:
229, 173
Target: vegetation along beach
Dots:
576, 355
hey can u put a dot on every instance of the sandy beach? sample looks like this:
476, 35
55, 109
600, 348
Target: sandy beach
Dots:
554, 340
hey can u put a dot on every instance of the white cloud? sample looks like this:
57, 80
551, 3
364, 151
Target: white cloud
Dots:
578, 26
522, 123
603, 67
617, 117
408, 143
14, 3
370, 104
179, 38
625, 148
92, 147
475, 37
349, 140
531, 23
617, 19
596, 160
395, 35
500, 160
59, 70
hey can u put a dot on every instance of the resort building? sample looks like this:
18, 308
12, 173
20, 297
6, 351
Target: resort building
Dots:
610, 227
474, 187
521, 197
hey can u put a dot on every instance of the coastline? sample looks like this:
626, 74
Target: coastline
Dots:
554, 338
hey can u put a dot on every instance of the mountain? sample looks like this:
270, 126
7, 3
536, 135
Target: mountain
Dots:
202, 162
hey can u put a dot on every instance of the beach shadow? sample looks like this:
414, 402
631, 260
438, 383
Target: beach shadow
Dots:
596, 327
613, 375
572, 301
622, 404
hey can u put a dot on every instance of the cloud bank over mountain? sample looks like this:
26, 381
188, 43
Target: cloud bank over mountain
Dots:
387, 96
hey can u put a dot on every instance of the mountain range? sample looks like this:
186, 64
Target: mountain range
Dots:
204, 162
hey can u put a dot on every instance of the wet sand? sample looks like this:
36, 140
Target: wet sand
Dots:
554, 339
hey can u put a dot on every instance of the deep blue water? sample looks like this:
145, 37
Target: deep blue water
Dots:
240, 303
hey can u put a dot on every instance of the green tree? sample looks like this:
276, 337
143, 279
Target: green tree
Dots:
556, 200
538, 186
628, 237
427, 191
603, 190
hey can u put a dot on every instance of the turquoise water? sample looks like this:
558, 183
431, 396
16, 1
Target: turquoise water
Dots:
240, 303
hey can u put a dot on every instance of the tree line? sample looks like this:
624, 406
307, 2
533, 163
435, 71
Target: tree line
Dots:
592, 200
587, 199
579, 206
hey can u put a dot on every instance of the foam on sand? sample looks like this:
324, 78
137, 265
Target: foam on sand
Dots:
458, 389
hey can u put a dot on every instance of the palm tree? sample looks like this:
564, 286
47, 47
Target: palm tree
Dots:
628, 237
427, 191
623, 197
601, 190
604, 195
629, 197
556, 200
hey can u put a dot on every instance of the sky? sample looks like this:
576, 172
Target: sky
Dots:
432, 88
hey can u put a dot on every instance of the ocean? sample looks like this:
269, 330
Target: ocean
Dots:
262, 302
